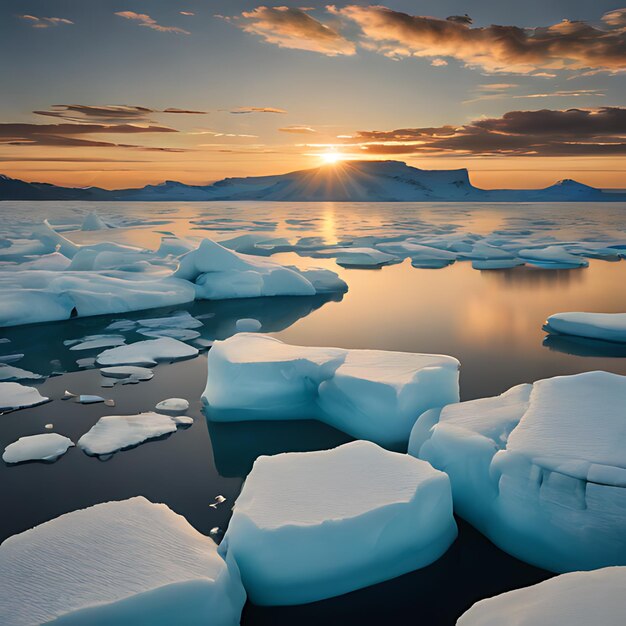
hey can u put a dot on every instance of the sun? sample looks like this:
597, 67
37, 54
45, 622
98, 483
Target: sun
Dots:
331, 157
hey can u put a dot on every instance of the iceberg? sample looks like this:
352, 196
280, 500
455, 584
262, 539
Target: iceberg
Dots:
17, 396
540, 470
220, 274
147, 353
128, 562
116, 432
552, 257
369, 394
43, 447
604, 326
574, 599
312, 525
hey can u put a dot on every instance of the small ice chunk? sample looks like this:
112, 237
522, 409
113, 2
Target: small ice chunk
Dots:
87, 363
313, 525
182, 334
248, 324
128, 562
87, 399
122, 325
10, 358
49, 426
116, 432
173, 406
181, 319
604, 326
148, 352
43, 447
93, 342
218, 500
127, 371
92, 221
17, 396
574, 599
11, 373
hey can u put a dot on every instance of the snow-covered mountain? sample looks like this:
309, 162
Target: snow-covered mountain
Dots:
349, 181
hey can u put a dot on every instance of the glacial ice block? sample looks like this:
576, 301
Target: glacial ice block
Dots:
17, 396
219, 274
43, 447
604, 326
128, 562
369, 394
313, 525
147, 353
540, 470
574, 599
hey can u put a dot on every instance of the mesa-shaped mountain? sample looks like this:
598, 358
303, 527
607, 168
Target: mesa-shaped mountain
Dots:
347, 181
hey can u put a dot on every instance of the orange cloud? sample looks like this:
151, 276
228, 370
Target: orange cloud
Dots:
145, 20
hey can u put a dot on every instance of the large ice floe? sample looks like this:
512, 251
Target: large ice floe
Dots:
574, 599
43, 447
56, 279
116, 432
17, 396
147, 353
312, 525
369, 394
540, 470
604, 326
128, 562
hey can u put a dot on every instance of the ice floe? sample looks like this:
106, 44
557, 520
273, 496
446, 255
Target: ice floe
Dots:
173, 406
17, 396
93, 342
312, 525
369, 394
220, 274
43, 447
574, 599
127, 371
128, 562
10, 373
147, 353
116, 432
552, 257
604, 326
247, 324
540, 470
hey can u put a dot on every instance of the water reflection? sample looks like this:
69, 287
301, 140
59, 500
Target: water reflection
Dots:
237, 445
525, 275
581, 346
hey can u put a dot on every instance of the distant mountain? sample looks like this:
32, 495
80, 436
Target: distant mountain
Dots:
347, 181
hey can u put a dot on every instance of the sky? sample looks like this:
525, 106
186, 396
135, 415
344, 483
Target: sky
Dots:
123, 93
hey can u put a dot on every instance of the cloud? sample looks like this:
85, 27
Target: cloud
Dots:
547, 132
498, 92
439, 62
77, 135
186, 13
145, 20
112, 114
45, 22
293, 28
243, 110
566, 45
298, 130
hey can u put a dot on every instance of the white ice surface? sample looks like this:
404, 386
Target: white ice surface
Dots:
312, 525
552, 256
541, 469
11, 373
148, 352
176, 406
124, 563
574, 599
43, 447
115, 432
127, 371
369, 394
604, 326
17, 396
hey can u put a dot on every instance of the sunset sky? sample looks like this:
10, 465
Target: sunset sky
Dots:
128, 92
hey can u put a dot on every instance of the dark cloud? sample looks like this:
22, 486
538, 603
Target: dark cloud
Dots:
109, 114
75, 135
566, 45
572, 132
293, 28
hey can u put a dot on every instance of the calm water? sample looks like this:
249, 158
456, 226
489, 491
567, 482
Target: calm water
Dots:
491, 321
